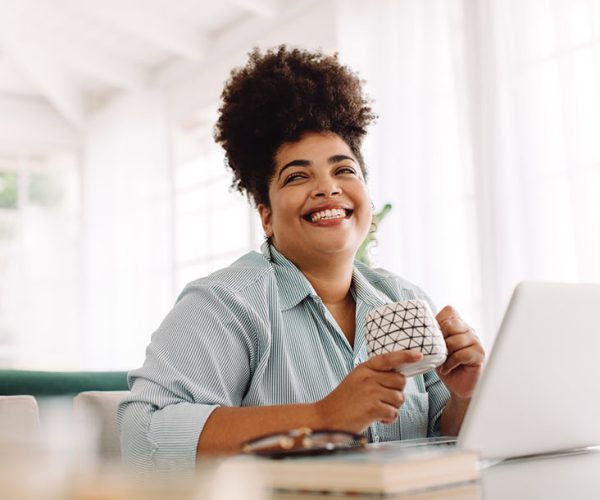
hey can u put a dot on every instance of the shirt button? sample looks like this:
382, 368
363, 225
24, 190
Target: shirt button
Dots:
357, 361
376, 439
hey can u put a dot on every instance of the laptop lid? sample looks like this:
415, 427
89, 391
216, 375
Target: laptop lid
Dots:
539, 390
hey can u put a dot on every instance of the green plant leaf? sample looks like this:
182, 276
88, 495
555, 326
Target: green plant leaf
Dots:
362, 254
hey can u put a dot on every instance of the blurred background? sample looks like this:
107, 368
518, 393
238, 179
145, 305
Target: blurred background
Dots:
113, 194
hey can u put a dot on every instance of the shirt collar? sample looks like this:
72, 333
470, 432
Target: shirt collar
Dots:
293, 287
364, 291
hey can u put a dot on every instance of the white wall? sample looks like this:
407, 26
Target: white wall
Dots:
34, 126
201, 86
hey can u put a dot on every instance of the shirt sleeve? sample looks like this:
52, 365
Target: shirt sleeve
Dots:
200, 358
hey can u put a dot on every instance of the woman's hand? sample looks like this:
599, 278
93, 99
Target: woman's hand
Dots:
369, 393
465, 359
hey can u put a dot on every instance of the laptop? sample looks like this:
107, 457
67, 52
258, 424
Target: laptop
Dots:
539, 392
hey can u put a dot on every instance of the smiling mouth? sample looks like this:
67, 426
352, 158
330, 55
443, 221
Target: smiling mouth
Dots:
329, 214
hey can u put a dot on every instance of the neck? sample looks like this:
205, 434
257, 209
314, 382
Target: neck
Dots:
331, 280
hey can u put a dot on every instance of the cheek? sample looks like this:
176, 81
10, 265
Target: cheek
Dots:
285, 207
366, 210
361, 198
293, 199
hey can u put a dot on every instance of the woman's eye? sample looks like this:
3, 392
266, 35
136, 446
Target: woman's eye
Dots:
292, 177
345, 170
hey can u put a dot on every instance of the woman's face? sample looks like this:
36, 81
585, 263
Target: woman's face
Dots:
320, 206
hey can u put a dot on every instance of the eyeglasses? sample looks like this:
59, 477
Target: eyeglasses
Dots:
303, 441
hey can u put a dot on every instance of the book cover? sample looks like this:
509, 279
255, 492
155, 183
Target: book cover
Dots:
377, 468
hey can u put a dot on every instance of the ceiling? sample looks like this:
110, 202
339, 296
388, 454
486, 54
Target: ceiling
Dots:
73, 52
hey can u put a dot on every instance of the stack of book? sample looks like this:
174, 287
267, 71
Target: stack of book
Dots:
385, 468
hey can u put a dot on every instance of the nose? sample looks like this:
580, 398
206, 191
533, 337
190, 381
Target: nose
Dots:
326, 188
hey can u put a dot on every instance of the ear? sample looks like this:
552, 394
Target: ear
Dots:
265, 217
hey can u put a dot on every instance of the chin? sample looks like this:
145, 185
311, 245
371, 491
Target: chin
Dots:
341, 249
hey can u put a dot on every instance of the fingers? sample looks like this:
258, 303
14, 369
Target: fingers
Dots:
460, 341
446, 313
373, 391
450, 322
471, 353
387, 410
391, 380
386, 387
387, 413
390, 360
463, 345
391, 397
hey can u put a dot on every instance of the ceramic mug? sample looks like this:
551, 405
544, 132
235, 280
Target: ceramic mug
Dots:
408, 324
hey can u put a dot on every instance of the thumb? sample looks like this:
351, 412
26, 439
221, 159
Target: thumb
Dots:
390, 360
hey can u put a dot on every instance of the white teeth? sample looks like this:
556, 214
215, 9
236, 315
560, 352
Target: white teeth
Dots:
335, 213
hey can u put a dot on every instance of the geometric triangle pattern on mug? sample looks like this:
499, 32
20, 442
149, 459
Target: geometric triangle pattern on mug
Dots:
405, 325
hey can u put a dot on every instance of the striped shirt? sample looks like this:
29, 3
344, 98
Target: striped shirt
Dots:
256, 333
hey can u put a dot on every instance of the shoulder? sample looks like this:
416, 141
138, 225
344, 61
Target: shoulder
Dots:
247, 276
227, 304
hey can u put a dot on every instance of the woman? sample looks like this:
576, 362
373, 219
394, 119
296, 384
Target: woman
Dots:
275, 341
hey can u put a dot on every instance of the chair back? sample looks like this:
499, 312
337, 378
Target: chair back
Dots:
98, 410
18, 414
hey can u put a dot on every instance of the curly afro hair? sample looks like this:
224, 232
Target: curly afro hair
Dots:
276, 98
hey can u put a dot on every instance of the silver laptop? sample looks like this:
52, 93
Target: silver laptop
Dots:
540, 389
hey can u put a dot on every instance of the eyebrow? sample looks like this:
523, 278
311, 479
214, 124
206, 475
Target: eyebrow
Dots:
307, 163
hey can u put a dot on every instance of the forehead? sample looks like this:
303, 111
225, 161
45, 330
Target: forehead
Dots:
312, 146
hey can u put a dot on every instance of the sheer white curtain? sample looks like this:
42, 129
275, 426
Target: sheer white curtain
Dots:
539, 141
487, 145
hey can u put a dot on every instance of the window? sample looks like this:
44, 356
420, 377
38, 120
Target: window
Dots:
39, 248
213, 224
